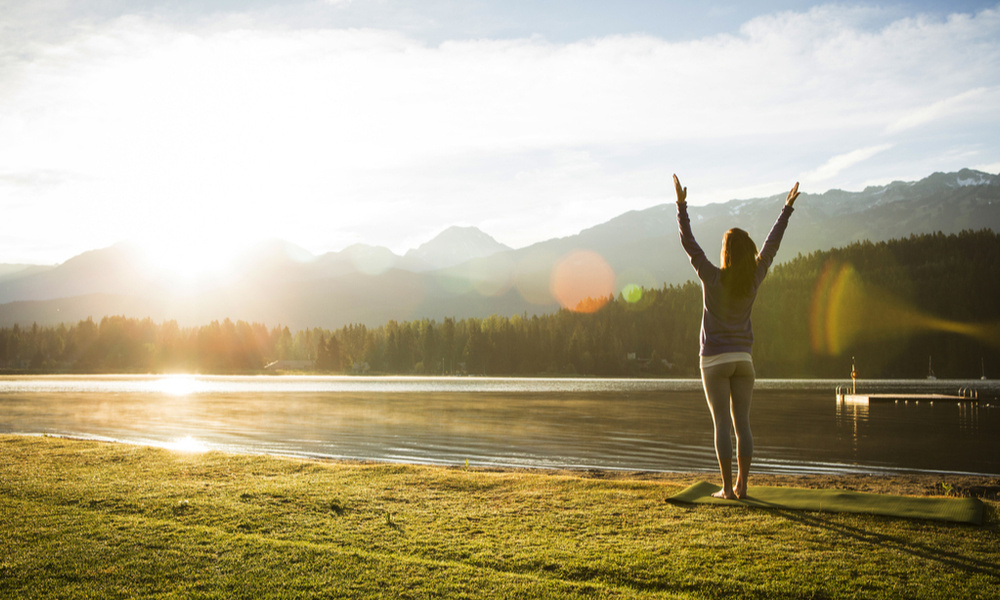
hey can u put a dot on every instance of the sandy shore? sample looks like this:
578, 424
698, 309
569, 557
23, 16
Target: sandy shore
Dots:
985, 487
915, 484
906, 484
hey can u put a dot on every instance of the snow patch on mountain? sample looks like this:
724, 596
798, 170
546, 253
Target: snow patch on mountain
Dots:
977, 179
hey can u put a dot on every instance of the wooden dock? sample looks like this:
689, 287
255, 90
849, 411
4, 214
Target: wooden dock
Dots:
964, 395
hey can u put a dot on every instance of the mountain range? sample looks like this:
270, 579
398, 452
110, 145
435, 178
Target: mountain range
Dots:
463, 272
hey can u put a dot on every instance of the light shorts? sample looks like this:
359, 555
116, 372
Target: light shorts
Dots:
725, 357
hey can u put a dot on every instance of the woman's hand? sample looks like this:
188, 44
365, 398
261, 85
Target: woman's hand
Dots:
682, 192
792, 195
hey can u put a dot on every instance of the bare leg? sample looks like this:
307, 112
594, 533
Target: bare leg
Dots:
742, 395
743, 477
726, 467
718, 393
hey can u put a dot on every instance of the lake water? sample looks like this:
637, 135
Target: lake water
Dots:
645, 425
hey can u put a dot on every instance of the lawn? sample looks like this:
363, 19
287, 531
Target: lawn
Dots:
83, 519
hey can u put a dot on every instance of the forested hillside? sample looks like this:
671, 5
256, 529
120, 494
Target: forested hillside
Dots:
894, 306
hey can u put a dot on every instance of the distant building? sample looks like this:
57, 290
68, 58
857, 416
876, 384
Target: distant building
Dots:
647, 364
360, 367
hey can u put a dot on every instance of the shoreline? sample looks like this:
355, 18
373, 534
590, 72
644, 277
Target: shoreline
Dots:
985, 487
695, 378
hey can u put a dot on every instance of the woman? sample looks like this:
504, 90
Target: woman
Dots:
727, 372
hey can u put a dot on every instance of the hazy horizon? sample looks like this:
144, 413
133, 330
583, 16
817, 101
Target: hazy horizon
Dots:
300, 251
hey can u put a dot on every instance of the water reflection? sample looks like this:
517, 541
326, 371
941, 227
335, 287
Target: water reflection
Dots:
852, 420
851, 411
611, 424
188, 445
968, 417
178, 385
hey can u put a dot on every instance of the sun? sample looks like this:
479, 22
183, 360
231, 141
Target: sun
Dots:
190, 261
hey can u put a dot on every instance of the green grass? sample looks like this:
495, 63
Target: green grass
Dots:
96, 520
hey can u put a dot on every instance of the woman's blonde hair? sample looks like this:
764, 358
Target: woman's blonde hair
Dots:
739, 262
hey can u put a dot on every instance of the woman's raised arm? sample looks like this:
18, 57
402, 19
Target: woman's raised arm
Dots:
792, 195
682, 193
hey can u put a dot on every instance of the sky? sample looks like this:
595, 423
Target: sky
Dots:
197, 128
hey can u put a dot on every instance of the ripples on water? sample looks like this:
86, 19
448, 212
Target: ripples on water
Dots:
203, 384
656, 425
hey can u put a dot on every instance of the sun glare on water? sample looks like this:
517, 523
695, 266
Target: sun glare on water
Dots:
187, 444
177, 385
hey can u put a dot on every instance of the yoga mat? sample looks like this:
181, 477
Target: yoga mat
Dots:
958, 510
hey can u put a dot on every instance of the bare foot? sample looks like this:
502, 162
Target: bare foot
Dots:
724, 495
740, 490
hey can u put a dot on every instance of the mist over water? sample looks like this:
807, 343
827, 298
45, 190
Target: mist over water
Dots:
643, 425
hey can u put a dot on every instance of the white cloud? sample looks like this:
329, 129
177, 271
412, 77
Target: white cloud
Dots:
993, 168
839, 163
385, 139
959, 103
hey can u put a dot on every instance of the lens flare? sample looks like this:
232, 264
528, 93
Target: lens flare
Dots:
632, 293
846, 311
582, 281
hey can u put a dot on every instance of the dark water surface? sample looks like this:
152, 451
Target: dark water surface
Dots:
649, 425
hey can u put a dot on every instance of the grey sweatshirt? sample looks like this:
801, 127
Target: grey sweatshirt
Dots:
725, 321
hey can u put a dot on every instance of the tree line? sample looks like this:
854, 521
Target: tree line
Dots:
895, 307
